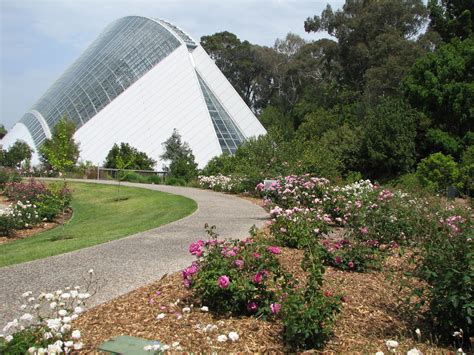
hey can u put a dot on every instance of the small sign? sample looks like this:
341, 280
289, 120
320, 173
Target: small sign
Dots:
452, 192
126, 345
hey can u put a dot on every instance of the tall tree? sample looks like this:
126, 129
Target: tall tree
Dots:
452, 18
124, 156
358, 27
60, 152
441, 84
18, 153
3, 131
180, 156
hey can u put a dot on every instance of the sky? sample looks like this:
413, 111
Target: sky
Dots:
39, 39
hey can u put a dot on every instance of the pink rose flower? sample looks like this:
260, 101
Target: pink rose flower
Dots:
274, 250
223, 281
364, 230
350, 264
252, 307
256, 255
338, 260
239, 263
195, 248
275, 307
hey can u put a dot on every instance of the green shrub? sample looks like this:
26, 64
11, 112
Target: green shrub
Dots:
352, 256
175, 181
237, 277
8, 175
447, 265
154, 179
49, 206
437, 172
132, 176
308, 314
296, 228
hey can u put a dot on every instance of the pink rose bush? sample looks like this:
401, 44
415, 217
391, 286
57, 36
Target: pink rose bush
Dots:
238, 277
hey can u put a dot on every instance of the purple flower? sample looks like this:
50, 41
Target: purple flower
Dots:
223, 281
252, 307
275, 307
239, 263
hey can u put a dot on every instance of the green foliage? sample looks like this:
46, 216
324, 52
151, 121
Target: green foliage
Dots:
238, 277
437, 172
466, 170
452, 18
440, 141
223, 164
440, 84
308, 314
175, 181
18, 153
447, 265
60, 152
124, 156
352, 256
8, 175
390, 137
3, 131
180, 155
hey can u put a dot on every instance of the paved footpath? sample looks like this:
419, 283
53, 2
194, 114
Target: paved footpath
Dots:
133, 261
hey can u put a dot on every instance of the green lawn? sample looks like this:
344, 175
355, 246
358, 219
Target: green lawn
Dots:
99, 218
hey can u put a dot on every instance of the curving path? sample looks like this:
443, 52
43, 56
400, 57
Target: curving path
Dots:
133, 261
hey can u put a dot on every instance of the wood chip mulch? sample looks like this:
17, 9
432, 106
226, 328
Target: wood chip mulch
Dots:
370, 316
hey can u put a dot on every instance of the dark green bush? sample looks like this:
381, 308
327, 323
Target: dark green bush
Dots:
154, 179
132, 176
175, 181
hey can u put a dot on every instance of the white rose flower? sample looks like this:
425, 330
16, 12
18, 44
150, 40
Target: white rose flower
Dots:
175, 344
23, 306
69, 343
78, 310
74, 293
8, 338
91, 271
205, 309
53, 305
36, 306
41, 351
165, 347
74, 316
26, 294
147, 348
222, 338
65, 328
186, 310
67, 320
76, 334
233, 336
49, 296
31, 299
62, 312
31, 350
47, 335
66, 296
391, 345
414, 351
26, 317
161, 316
379, 353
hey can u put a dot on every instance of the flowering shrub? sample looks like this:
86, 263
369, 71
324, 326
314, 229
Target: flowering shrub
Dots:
296, 227
18, 216
355, 256
45, 327
239, 277
308, 313
25, 191
223, 183
49, 200
447, 265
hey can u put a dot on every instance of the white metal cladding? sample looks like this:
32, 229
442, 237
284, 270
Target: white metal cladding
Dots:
169, 93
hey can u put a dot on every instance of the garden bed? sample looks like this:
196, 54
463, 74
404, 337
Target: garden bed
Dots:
370, 316
42, 227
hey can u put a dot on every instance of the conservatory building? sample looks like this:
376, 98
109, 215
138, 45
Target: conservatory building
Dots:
140, 79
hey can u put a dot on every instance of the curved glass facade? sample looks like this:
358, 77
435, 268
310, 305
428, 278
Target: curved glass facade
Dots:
126, 50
